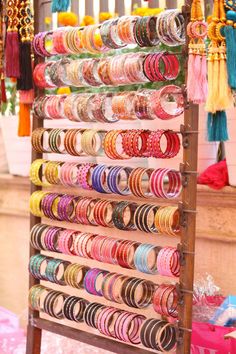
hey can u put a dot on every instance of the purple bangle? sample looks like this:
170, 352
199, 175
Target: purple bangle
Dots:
90, 281
35, 44
65, 208
47, 203
50, 239
41, 44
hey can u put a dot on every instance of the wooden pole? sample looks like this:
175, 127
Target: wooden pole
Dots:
33, 333
188, 210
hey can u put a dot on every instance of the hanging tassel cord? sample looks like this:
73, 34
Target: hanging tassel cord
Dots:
203, 78
24, 120
230, 37
25, 81
12, 55
197, 83
60, 5
210, 64
190, 77
225, 99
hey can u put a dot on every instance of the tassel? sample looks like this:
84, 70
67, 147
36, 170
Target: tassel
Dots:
3, 91
60, 5
27, 97
197, 96
12, 55
25, 82
190, 78
215, 83
24, 120
230, 36
209, 104
217, 126
203, 79
225, 99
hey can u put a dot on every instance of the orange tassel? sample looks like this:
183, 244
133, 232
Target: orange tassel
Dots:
27, 97
24, 120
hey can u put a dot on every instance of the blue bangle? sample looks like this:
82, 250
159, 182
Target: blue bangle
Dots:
99, 179
141, 258
114, 178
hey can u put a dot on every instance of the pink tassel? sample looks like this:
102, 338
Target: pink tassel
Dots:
204, 83
190, 78
27, 97
197, 84
12, 55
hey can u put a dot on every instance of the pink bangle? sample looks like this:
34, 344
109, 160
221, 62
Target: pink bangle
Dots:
168, 262
68, 174
157, 183
84, 174
65, 242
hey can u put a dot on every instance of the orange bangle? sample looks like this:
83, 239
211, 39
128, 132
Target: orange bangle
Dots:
167, 220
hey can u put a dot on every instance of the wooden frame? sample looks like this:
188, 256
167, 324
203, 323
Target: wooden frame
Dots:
188, 221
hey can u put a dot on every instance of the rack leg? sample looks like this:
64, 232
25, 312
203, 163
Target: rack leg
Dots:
33, 345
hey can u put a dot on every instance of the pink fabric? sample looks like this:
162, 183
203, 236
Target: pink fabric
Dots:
209, 339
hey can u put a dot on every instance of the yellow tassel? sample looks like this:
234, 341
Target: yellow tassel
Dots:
210, 64
225, 100
215, 84
24, 120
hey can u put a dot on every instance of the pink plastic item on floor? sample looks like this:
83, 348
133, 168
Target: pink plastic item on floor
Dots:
11, 336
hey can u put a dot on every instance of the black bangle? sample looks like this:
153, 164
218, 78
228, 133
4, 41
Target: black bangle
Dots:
118, 215
70, 308
90, 314
50, 304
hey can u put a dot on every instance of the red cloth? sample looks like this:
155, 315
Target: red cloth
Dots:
215, 176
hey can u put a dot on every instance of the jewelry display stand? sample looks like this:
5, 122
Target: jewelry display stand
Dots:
186, 246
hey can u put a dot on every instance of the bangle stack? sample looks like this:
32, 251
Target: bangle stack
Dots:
112, 322
124, 69
166, 103
115, 144
146, 258
123, 215
134, 292
147, 31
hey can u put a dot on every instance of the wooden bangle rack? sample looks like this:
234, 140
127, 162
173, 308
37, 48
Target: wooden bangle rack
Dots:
38, 322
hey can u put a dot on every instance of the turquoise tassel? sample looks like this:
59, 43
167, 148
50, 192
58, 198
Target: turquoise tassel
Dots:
217, 126
230, 36
60, 5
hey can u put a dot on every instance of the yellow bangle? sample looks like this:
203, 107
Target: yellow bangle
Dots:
35, 203
36, 170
